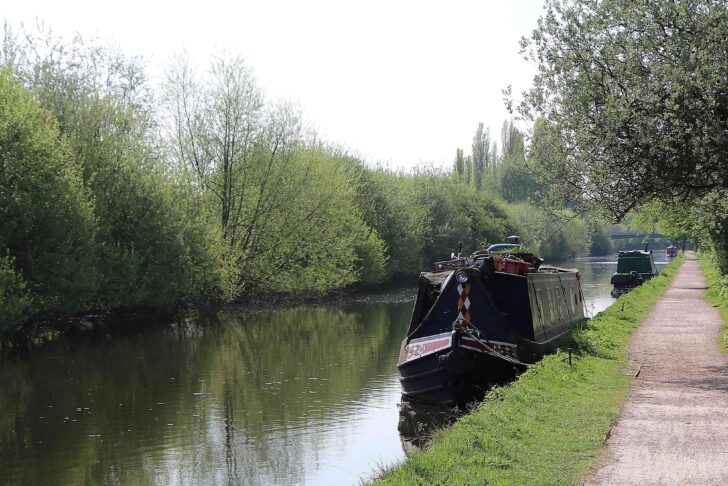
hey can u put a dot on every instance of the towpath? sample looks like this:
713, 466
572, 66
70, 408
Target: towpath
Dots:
673, 430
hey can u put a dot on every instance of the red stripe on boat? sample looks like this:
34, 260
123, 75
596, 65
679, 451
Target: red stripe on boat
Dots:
418, 350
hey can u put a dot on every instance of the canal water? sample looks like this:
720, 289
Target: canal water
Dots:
293, 396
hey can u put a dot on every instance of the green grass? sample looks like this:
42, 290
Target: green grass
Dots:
717, 293
550, 425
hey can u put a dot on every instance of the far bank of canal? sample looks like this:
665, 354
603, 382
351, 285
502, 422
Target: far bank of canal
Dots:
303, 395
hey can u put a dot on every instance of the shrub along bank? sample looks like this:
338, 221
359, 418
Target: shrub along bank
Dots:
117, 199
550, 424
717, 293
103, 212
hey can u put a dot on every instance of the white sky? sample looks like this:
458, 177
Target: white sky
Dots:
398, 82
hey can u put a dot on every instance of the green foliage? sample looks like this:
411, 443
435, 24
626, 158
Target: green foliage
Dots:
459, 166
554, 236
140, 236
526, 187
517, 182
549, 426
14, 300
702, 221
635, 94
717, 293
288, 212
454, 213
601, 244
47, 226
227, 197
402, 224
318, 240
677, 222
246, 207
512, 141
482, 162
711, 213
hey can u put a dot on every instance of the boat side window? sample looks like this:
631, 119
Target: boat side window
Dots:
544, 308
549, 304
561, 307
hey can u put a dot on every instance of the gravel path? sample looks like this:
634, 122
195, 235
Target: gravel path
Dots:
673, 430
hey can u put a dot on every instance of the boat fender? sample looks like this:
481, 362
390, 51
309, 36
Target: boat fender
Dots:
634, 276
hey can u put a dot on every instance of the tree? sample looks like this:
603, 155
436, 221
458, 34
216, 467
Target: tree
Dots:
47, 227
285, 208
512, 141
459, 165
636, 99
554, 235
217, 128
517, 181
481, 155
469, 171
152, 245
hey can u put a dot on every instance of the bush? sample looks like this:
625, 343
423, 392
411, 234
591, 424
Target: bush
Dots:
47, 227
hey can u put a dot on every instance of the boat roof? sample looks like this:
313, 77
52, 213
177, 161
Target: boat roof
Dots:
634, 253
503, 246
635, 260
436, 277
552, 269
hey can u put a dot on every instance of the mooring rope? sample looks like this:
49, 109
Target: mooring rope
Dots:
457, 324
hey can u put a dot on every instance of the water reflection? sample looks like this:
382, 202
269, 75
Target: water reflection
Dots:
595, 276
285, 397
296, 396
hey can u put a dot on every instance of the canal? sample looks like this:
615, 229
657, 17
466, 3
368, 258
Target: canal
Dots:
292, 396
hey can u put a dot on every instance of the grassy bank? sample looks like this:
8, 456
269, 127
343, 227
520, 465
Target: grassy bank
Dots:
717, 293
548, 426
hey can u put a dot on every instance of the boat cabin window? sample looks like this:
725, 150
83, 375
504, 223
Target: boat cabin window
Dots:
549, 304
562, 309
543, 307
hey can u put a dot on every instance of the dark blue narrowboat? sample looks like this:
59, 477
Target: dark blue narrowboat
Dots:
478, 320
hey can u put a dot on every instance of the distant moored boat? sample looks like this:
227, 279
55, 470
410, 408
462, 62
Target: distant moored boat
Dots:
634, 267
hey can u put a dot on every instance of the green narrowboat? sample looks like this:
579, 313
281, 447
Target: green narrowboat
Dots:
634, 267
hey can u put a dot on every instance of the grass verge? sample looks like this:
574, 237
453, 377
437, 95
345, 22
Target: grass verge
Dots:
549, 425
717, 293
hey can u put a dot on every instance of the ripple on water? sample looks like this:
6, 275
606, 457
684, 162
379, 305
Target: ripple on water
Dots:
315, 401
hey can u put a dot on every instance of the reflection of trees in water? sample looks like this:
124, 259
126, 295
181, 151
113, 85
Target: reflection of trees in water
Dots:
248, 400
595, 273
295, 371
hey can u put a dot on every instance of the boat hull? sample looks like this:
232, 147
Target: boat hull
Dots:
474, 327
634, 267
457, 374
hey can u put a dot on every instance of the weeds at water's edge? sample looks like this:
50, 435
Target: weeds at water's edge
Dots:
550, 425
379, 471
717, 293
